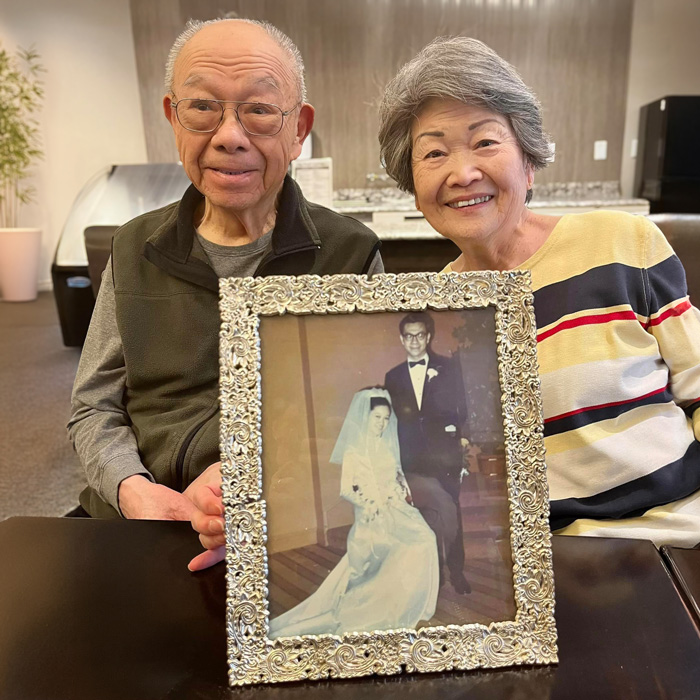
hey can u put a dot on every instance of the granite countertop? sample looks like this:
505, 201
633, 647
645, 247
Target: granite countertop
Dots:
360, 207
568, 194
562, 196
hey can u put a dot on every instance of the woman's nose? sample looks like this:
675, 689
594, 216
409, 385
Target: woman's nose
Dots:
463, 171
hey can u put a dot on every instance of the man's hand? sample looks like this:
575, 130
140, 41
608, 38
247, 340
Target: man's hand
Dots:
141, 499
207, 516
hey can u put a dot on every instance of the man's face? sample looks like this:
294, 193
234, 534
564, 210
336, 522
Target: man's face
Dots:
235, 171
415, 339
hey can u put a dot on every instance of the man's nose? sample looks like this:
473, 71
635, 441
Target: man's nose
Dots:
230, 134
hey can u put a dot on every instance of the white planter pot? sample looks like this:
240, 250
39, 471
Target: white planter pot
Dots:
19, 263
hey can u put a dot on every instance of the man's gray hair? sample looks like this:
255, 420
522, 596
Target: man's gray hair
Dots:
466, 70
277, 35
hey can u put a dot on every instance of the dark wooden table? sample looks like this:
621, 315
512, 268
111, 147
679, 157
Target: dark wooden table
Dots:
107, 609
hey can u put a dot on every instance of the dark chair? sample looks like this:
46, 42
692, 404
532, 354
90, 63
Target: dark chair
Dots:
683, 233
98, 245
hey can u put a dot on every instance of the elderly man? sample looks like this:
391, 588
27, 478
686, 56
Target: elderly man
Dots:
145, 415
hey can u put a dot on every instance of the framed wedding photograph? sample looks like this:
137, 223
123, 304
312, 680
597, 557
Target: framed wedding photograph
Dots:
383, 475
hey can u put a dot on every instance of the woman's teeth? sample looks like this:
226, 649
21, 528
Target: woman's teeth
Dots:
469, 202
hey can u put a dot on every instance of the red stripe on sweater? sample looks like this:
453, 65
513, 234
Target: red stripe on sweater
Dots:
674, 311
605, 405
586, 321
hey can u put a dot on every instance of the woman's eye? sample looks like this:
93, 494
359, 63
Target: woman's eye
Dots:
433, 154
485, 143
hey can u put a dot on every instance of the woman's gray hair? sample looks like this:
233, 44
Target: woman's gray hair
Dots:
277, 35
466, 70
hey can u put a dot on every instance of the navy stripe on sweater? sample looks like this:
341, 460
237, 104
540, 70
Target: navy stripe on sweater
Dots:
669, 483
611, 285
667, 283
593, 414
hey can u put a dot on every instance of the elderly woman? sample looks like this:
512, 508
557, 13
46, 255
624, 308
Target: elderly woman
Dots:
618, 341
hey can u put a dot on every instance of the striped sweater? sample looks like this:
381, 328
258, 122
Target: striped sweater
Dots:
619, 356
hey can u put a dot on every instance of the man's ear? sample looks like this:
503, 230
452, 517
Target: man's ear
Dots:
168, 111
305, 123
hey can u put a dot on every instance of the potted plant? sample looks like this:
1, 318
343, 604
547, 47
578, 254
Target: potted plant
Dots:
21, 96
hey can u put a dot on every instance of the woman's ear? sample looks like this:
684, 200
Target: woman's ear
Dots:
530, 175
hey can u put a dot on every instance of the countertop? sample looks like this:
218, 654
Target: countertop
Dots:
362, 206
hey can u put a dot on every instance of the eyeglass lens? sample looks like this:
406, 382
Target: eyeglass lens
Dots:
256, 118
414, 336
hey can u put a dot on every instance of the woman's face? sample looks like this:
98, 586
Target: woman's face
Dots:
469, 172
378, 420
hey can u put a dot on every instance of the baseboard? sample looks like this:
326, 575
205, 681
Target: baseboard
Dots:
45, 286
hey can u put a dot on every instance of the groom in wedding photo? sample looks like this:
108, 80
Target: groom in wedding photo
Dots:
429, 401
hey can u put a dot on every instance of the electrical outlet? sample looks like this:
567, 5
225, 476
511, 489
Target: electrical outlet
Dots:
600, 150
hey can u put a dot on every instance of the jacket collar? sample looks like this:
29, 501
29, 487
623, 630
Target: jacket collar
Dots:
170, 246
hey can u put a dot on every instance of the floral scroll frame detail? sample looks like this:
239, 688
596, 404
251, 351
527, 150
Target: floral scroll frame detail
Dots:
528, 639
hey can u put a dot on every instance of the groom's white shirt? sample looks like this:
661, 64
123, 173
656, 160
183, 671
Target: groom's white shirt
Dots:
418, 373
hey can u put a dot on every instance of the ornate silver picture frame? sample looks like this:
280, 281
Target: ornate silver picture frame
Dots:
358, 416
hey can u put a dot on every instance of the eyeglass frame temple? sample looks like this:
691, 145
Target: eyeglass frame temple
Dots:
235, 109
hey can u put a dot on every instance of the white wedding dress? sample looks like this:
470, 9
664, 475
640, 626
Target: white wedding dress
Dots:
389, 577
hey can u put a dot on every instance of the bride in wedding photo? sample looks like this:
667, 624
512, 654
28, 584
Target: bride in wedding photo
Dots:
389, 576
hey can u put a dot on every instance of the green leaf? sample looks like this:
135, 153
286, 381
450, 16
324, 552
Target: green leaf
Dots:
21, 99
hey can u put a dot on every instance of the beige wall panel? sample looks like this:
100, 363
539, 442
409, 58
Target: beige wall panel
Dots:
574, 53
156, 24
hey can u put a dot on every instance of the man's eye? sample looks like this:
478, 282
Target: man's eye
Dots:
260, 109
201, 106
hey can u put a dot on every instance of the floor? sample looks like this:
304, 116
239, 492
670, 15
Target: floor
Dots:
39, 471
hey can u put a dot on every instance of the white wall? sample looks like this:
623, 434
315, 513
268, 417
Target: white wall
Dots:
664, 60
92, 112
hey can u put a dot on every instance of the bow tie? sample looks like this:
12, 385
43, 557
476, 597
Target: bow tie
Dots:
417, 362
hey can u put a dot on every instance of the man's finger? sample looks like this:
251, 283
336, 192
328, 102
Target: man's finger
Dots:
212, 541
205, 524
207, 559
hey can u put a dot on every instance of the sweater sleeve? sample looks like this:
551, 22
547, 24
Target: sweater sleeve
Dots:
673, 320
99, 426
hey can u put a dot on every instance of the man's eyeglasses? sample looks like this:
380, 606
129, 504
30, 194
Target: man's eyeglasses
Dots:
204, 116
408, 337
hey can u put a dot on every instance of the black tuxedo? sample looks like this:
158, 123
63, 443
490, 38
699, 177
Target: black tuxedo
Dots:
426, 447
431, 456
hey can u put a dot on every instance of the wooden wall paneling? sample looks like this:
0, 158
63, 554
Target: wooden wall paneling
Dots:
574, 53
156, 24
